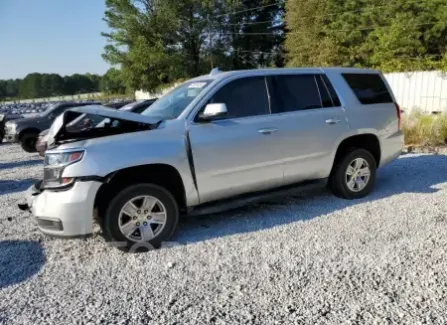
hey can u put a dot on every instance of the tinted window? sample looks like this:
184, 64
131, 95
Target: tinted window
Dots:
60, 109
326, 99
244, 97
293, 93
369, 88
331, 90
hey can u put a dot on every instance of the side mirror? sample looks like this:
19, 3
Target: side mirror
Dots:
213, 111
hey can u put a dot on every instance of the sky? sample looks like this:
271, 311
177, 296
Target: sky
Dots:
51, 36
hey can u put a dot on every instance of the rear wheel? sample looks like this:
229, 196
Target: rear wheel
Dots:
354, 175
140, 218
28, 142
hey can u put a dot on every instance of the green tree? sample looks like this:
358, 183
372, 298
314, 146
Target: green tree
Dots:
31, 86
112, 82
395, 36
160, 41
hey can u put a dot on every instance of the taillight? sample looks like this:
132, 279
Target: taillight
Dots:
399, 117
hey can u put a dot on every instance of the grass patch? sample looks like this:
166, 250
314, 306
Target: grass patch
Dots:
425, 130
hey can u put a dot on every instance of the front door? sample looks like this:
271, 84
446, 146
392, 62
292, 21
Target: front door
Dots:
239, 153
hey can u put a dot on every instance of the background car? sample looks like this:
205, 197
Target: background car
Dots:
26, 130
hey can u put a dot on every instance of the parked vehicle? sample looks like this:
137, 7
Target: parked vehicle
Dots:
213, 143
2, 127
87, 121
118, 105
3, 119
26, 130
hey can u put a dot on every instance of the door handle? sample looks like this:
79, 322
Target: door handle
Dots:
332, 121
267, 131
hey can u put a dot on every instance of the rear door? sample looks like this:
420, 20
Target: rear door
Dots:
240, 153
311, 122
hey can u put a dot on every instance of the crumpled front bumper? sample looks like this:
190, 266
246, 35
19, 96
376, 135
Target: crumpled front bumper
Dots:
67, 213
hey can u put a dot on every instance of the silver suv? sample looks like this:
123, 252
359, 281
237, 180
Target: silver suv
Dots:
213, 143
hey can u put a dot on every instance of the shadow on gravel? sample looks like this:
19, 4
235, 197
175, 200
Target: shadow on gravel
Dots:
409, 174
11, 186
16, 164
19, 260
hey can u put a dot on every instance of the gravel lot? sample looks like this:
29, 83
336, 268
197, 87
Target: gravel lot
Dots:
311, 259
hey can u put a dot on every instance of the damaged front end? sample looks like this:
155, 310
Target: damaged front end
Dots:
113, 122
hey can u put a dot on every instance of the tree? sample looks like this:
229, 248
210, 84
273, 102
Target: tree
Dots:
395, 36
112, 82
31, 86
159, 41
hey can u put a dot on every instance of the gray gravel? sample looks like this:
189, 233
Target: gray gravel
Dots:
311, 259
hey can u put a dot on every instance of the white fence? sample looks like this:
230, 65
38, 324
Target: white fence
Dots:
422, 90
57, 98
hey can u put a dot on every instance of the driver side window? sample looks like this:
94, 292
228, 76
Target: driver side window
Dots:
244, 97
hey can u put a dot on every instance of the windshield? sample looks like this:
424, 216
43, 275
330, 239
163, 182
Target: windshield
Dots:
129, 106
171, 105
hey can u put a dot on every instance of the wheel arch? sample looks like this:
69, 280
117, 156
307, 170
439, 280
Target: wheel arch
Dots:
367, 141
28, 130
161, 174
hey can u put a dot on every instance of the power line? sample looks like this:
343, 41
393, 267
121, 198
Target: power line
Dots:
312, 16
421, 56
333, 30
249, 23
250, 9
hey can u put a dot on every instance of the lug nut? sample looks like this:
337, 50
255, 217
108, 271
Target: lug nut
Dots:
138, 224
138, 211
134, 218
146, 211
145, 223
148, 217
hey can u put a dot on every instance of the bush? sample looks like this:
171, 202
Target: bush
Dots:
426, 130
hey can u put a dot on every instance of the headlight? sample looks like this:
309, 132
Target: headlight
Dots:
10, 127
54, 166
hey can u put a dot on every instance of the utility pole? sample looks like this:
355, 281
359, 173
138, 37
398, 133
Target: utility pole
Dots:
210, 38
210, 41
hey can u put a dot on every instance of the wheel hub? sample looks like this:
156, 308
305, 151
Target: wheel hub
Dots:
358, 175
142, 218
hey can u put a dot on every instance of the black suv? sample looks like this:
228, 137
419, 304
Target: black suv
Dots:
26, 130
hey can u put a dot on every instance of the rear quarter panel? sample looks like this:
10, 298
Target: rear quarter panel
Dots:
378, 119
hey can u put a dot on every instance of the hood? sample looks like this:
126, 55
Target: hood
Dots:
128, 122
21, 119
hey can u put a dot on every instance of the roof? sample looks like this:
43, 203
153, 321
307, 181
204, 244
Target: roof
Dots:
267, 71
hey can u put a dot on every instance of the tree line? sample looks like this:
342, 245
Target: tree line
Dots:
39, 85
159, 41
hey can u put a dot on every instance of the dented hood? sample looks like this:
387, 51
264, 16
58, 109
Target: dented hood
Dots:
62, 120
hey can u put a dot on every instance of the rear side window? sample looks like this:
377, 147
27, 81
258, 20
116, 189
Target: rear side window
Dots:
293, 93
369, 88
331, 90
326, 99
244, 97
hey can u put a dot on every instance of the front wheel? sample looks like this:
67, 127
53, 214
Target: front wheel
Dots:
354, 175
28, 142
140, 218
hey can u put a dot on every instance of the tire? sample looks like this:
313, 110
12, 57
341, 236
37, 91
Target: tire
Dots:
28, 142
114, 216
339, 179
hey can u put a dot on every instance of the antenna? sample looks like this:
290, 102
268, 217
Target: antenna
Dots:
214, 71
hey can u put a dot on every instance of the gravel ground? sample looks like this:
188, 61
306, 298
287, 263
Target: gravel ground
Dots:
311, 259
